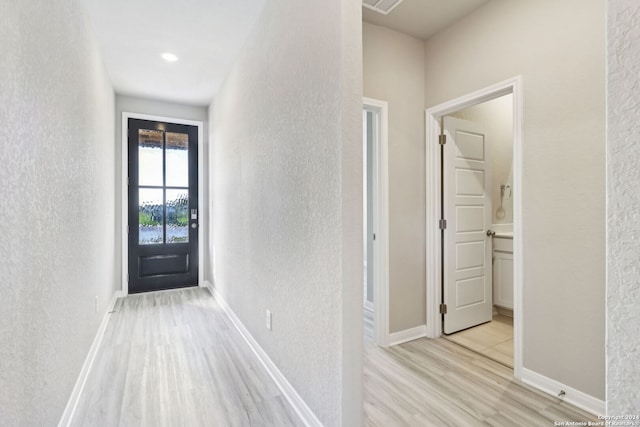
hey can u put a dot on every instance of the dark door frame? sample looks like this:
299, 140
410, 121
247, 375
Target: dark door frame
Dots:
124, 214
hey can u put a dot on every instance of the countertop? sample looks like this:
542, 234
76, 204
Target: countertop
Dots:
504, 235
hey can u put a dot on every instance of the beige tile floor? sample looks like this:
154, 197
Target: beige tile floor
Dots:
492, 339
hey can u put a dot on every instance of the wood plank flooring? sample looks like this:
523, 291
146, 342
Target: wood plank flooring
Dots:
430, 382
175, 359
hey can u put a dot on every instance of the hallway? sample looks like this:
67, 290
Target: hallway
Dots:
175, 359
281, 212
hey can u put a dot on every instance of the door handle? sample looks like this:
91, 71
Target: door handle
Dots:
491, 233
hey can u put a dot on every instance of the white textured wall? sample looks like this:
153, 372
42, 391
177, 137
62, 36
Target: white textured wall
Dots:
286, 172
132, 104
497, 118
57, 199
623, 207
558, 48
393, 68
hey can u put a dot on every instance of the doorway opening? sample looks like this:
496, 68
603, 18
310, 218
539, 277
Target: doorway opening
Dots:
375, 221
162, 203
474, 282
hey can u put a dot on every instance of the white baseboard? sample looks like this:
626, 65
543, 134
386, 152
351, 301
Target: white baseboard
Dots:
572, 396
407, 335
368, 305
304, 412
70, 409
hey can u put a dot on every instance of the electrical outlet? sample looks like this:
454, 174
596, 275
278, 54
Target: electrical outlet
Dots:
96, 304
268, 320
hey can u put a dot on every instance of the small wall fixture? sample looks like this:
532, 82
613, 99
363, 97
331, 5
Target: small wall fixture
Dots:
169, 57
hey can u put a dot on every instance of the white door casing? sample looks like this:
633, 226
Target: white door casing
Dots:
433, 114
467, 209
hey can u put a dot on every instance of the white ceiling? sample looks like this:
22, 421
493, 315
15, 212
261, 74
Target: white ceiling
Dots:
422, 18
206, 35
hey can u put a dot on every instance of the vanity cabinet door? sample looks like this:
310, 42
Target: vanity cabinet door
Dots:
503, 279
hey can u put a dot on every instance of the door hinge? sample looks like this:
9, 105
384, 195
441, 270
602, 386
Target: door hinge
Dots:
443, 308
443, 224
374, 236
442, 139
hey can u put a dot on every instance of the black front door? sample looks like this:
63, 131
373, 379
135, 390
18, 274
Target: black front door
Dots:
163, 205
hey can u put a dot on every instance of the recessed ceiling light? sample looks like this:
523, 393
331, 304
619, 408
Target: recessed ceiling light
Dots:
169, 57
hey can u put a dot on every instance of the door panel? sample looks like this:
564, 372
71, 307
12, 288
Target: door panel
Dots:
469, 218
469, 255
163, 264
469, 182
163, 205
469, 292
467, 208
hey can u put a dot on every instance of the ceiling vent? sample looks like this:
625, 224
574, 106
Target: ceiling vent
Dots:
381, 6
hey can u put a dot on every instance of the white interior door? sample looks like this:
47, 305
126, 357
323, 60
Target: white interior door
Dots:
467, 209
370, 133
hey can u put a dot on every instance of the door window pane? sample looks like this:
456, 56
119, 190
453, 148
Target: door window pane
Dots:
150, 216
150, 157
177, 216
177, 159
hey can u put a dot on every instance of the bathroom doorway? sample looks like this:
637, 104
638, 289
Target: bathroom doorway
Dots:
473, 182
479, 258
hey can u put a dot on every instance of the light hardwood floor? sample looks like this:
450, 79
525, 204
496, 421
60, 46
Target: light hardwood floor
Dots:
175, 359
492, 339
435, 382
